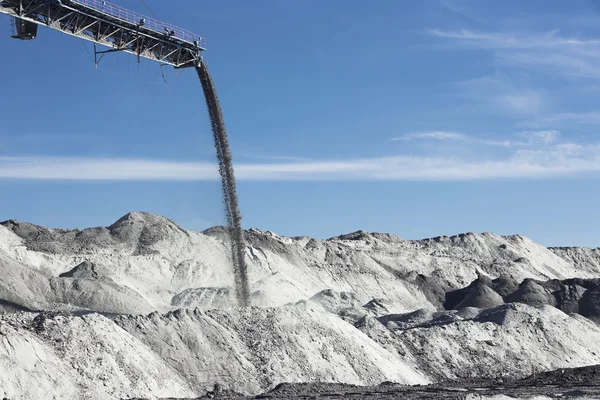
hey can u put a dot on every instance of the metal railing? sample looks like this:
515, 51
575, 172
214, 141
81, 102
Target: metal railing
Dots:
149, 23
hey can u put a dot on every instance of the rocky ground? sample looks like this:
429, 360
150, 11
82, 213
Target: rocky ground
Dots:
576, 383
143, 308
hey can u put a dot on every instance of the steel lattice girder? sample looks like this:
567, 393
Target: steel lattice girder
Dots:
76, 19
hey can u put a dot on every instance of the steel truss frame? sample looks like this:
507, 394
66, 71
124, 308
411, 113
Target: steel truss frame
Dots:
76, 19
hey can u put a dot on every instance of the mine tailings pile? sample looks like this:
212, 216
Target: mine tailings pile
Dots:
230, 199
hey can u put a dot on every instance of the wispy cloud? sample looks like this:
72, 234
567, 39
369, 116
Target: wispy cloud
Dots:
560, 160
545, 137
504, 40
552, 52
75, 168
271, 157
581, 118
563, 55
500, 93
459, 9
523, 101
439, 135
526, 138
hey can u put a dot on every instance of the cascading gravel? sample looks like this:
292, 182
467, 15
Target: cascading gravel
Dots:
230, 199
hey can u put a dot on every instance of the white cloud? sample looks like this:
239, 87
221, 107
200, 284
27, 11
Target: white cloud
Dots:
439, 135
583, 118
549, 51
461, 10
564, 160
102, 169
461, 137
499, 93
562, 61
545, 137
272, 158
503, 40
523, 101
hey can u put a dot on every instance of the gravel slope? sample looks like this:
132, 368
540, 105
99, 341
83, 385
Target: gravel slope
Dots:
144, 262
357, 309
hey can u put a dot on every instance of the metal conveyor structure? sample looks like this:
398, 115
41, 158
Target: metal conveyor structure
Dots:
107, 24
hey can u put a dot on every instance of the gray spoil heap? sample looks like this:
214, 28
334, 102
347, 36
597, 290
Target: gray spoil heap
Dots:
230, 198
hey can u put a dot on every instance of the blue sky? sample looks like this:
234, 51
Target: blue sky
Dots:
420, 118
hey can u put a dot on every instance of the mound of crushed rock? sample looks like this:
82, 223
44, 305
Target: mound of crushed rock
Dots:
138, 231
143, 308
184, 353
581, 296
144, 262
250, 351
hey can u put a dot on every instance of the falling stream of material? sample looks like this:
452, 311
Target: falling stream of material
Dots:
230, 199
